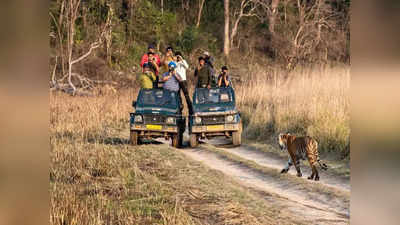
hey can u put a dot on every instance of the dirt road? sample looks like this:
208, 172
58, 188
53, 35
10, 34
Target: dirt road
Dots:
310, 202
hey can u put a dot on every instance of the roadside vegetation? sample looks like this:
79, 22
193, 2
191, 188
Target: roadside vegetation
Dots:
312, 102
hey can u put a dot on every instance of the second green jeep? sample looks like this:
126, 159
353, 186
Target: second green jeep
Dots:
215, 114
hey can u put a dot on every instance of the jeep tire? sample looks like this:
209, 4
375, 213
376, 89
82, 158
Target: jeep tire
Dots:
134, 138
176, 140
237, 136
193, 140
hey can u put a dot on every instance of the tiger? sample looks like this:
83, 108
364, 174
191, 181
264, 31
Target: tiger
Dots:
300, 148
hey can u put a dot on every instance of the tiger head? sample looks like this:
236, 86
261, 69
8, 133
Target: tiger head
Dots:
282, 140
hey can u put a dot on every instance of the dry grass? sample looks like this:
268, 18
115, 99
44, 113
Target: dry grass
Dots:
311, 102
97, 178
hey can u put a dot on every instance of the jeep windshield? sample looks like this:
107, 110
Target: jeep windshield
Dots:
157, 98
214, 96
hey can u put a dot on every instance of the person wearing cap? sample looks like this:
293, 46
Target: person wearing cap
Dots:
181, 67
147, 78
155, 58
203, 74
223, 78
171, 78
167, 58
209, 60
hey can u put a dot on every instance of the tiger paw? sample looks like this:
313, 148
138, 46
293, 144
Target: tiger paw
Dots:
316, 179
310, 177
299, 174
284, 170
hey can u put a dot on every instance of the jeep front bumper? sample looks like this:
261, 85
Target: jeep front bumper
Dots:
215, 128
154, 128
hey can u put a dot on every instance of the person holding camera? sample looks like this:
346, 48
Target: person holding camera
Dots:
181, 67
223, 79
167, 58
147, 78
152, 61
155, 57
171, 78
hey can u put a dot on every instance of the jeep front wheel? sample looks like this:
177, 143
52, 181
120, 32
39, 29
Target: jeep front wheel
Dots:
176, 140
134, 138
193, 140
237, 136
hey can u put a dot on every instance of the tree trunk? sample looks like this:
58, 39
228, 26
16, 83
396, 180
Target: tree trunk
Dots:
226, 30
162, 7
201, 4
72, 15
61, 36
272, 16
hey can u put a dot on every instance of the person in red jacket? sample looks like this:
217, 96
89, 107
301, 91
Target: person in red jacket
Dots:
145, 57
155, 59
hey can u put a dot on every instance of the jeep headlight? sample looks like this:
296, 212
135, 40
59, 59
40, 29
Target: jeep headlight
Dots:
229, 118
197, 120
138, 119
170, 120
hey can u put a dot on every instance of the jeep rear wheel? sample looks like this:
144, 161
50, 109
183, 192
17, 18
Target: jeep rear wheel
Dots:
134, 138
193, 140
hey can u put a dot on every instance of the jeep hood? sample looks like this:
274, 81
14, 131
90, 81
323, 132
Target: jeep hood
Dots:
214, 108
155, 110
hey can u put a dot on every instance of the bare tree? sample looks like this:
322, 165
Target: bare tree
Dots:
226, 30
71, 14
247, 9
201, 4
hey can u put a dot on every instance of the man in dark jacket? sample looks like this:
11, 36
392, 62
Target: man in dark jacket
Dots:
203, 74
209, 61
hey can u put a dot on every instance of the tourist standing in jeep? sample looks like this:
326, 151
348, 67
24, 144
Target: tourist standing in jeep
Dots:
153, 59
224, 79
203, 74
167, 58
181, 67
147, 78
209, 62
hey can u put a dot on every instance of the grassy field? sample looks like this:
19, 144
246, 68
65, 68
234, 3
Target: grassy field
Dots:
97, 178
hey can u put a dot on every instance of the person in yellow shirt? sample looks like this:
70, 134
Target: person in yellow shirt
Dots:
147, 78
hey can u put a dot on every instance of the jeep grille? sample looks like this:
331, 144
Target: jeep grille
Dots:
212, 119
154, 119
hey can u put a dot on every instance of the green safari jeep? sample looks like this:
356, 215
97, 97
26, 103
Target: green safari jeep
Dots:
158, 113
215, 114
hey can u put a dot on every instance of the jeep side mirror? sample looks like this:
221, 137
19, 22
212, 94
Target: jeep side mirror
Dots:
134, 104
